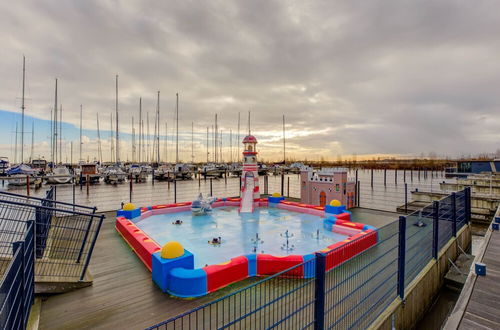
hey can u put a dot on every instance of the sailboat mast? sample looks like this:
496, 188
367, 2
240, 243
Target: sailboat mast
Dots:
22, 112
207, 144
166, 142
99, 150
32, 140
117, 127
177, 128
216, 140
55, 128
192, 142
158, 121
60, 133
112, 144
231, 145
15, 148
147, 148
238, 135
284, 150
133, 140
140, 128
249, 131
81, 142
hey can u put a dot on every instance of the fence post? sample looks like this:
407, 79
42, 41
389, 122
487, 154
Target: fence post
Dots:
401, 257
130, 188
406, 198
319, 293
282, 184
358, 194
91, 249
385, 177
372, 179
468, 207
211, 191
396, 177
288, 187
175, 190
15, 247
435, 233
454, 214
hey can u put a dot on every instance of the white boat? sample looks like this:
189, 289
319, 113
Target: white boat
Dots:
183, 171
114, 174
60, 174
211, 170
4, 166
138, 173
164, 172
18, 175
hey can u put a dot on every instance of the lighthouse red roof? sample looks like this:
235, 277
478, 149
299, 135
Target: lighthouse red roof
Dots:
249, 139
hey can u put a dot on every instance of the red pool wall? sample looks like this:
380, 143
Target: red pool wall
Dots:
221, 275
143, 246
349, 247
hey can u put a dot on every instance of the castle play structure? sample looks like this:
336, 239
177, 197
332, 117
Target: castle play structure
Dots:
322, 186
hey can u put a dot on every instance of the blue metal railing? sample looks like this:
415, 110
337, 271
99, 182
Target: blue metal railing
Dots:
349, 296
17, 284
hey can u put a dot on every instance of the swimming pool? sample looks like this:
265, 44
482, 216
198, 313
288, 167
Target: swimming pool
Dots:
251, 244
238, 233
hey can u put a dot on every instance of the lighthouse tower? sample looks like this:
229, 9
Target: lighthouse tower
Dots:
249, 175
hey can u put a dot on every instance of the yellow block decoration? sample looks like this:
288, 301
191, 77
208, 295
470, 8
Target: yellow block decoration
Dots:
129, 207
276, 194
335, 202
172, 250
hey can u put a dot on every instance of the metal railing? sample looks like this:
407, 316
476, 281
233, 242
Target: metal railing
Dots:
64, 238
353, 293
17, 284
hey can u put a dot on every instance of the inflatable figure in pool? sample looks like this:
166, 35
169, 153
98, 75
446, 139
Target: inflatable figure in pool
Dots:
202, 206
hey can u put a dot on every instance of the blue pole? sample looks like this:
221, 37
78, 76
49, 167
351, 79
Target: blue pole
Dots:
454, 214
319, 293
435, 236
401, 256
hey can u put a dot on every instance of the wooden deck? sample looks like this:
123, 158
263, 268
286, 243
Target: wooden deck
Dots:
484, 302
123, 295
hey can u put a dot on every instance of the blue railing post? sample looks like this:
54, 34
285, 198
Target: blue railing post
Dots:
454, 214
401, 256
468, 206
91, 248
319, 293
435, 233
19, 246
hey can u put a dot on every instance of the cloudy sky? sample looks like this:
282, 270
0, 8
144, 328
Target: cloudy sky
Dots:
352, 77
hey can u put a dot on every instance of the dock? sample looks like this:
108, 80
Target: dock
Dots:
478, 304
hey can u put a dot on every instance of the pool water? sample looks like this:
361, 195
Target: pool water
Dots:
238, 233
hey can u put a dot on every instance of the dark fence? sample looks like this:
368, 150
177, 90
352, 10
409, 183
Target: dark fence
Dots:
64, 238
353, 293
17, 284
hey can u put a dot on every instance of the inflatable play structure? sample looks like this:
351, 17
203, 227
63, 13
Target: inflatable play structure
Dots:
172, 266
319, 187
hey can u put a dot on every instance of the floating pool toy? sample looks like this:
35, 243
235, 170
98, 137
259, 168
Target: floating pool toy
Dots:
177, 222
172, 250
202, 206
215, 241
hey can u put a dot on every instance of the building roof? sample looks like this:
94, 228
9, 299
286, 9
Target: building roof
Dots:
249, 139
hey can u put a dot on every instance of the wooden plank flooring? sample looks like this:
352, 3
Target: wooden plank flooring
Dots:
123, 295
484, 303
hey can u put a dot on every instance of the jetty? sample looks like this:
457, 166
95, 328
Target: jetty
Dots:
478, 304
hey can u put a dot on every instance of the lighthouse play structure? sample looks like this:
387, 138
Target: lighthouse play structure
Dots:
249, 175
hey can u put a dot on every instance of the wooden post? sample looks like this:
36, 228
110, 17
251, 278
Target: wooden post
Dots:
27, 185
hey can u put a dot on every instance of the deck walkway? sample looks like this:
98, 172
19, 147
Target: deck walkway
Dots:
123, 296
479, 302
